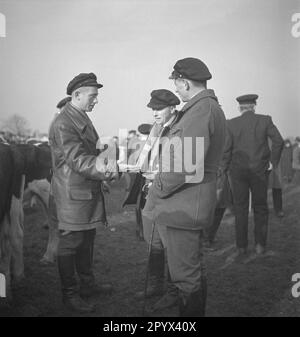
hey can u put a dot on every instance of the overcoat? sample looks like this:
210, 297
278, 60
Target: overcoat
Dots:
76, 182
178, 201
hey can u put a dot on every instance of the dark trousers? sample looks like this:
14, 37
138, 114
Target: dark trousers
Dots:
277, 199
212, 230
243, 181
75, 255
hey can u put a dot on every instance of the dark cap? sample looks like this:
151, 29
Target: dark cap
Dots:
63, 102
162, 98
247, 99
83, 80
144, 129
191, 69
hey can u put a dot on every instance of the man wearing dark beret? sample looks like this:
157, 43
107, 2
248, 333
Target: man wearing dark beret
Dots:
183, 201
247, 157
163, 104
77, 189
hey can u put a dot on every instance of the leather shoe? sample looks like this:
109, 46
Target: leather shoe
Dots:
104, 288
259, 249
77, 304
280, 214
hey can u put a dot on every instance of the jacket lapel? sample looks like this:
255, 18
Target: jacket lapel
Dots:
82, 123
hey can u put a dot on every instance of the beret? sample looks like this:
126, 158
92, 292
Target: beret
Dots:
191, 69
162, 98
247, 99
83, 80
144, 129
63, 102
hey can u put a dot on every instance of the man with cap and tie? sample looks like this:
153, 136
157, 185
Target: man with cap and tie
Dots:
183, 201
77, 189
247, 156
163, 104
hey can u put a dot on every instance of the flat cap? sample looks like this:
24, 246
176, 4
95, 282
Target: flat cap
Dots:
144, 129
162, 98
191, 68
63, 102
83, 80
247, 99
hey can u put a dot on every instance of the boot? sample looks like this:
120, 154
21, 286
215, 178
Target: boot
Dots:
193, 304
71, 299
156, 275
96, 289
84, 267
169, 299
76, 303
259, 249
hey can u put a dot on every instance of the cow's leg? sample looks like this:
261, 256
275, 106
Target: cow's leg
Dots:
16, 233
51, 252
5, 258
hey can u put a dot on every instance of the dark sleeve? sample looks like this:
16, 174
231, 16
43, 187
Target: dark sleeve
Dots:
75, 154
227, 154
277, 142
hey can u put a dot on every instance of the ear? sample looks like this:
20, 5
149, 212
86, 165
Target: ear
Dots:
77, 94
187, 85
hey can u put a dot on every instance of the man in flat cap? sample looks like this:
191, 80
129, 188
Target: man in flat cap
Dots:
184, 200
163, 104
247, 156
77, 189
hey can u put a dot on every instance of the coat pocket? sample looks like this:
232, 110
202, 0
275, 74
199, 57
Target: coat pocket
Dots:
80, 194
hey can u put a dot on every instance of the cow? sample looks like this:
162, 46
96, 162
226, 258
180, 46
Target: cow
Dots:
19, 164
40, 194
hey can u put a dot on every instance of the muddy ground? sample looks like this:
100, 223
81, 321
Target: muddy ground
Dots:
259, 287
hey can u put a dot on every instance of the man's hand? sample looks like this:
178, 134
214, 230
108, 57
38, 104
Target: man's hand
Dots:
105, 187
123, 167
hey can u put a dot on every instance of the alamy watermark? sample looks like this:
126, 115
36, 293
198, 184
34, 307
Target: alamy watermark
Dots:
296, 27
2, 25
2, 285
158, 154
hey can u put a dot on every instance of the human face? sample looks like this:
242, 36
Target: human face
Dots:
162, 116
87, 98
182, 89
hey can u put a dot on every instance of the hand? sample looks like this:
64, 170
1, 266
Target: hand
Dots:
105, 187
123, 167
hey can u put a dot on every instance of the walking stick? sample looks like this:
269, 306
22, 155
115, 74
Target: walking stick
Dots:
147, 270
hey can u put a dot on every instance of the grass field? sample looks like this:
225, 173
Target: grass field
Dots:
259, 287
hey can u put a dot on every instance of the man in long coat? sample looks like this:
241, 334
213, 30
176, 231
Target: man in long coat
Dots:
183, 196
77, 189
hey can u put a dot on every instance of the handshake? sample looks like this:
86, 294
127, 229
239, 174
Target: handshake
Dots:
124, 167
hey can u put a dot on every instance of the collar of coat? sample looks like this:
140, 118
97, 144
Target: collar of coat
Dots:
201, 95
81, 120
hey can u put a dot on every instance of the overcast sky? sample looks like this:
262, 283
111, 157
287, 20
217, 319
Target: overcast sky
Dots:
132, 46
